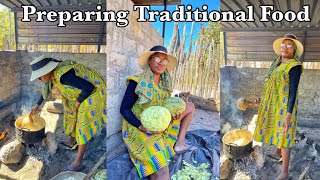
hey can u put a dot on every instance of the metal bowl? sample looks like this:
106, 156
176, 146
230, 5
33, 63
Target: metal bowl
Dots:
69, 175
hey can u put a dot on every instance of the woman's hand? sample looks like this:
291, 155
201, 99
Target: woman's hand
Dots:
143, 129
34, 110
257, 101
77, 105
177, 116
286, 123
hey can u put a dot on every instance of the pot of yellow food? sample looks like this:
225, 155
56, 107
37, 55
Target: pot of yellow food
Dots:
30, 130
237, 143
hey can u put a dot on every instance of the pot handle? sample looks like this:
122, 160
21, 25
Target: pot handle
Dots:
243, 125
25, 129
230, 146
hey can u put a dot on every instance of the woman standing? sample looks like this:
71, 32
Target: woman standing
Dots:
83, 98
277, 116
151, 151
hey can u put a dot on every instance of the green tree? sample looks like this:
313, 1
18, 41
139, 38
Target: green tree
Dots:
6, 28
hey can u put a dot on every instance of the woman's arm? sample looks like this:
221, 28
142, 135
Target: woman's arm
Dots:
40, 100
294, 78
70, 78
130, 97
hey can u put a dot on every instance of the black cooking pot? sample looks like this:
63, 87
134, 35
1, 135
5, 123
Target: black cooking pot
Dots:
30, 136
237, 143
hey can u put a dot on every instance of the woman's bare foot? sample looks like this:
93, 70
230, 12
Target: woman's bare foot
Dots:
283, 176
68, 142
277, 152
179, 147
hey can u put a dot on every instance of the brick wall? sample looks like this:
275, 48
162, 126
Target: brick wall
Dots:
248, 82
123, 47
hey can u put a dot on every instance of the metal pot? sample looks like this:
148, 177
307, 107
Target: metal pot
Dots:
237, 143
30, 136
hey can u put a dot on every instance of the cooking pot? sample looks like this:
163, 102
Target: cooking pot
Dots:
237, 143
32, 133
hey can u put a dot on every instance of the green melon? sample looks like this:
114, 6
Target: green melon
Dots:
155, 118
175, 105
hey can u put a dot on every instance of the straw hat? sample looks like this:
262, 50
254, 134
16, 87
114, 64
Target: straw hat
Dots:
41, 66
144, 58
277, 44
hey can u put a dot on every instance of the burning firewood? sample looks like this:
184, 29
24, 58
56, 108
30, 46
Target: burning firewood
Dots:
3, 134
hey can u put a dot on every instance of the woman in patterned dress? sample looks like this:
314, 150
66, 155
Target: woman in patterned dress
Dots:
277, 116
83, 98
151, 151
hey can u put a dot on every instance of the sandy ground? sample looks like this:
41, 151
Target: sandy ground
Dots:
205, 120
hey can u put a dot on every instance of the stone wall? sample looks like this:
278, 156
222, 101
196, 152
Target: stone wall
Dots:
248, 82
10, 83
124, 44
17, 72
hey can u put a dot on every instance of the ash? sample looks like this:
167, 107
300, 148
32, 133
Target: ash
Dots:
246, 166
38, 152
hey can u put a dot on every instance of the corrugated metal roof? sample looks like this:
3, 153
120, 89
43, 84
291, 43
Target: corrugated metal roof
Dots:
282, 5
156, 2
75, 33
257, 46
15, 5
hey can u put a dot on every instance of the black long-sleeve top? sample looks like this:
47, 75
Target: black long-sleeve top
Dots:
294, 78
128, 101
70, 78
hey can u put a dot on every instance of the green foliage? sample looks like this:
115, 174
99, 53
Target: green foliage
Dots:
6, 33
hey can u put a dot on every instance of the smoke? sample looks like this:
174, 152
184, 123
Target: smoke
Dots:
226, 127
229, 110
28, 99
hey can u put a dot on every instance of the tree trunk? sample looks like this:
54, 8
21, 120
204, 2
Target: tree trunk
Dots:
174, 38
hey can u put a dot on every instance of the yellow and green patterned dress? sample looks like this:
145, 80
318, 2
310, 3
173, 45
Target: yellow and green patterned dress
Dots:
92, 111
273, 107
149, 152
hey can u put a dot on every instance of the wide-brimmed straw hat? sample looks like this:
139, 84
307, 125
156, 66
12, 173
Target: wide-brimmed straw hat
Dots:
144, 58
277, 44
41, 66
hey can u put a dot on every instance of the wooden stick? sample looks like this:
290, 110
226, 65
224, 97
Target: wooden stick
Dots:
95, 167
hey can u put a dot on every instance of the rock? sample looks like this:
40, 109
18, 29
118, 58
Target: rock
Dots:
50, 143
242, 176
54, 107
226, 167
200, 102
12, 152
300, 136
310, 140
28, 169
257, 156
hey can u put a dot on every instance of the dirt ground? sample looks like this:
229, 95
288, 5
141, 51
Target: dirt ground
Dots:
38, 163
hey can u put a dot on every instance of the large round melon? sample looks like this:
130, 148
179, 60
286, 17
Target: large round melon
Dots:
175, 105
155, 118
